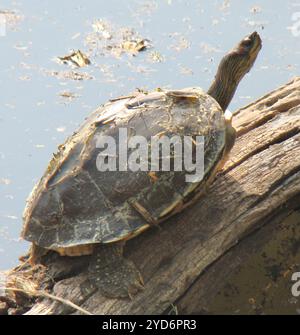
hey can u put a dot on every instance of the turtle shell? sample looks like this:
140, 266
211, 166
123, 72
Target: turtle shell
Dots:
74, 204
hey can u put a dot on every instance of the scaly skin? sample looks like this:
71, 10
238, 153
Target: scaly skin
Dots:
231, 70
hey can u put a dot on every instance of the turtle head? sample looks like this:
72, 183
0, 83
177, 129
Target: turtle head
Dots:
233, 67
240, 60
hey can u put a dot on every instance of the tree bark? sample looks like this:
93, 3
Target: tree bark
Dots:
185, 260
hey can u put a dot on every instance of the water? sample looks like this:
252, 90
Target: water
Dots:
191, 36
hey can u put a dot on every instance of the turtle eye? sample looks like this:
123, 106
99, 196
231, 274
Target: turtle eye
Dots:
247, 42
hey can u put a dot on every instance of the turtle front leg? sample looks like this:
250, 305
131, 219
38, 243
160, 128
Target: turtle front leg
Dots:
111, 273
230, 136
230, 133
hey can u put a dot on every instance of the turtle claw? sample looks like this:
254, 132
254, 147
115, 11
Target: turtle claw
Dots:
87, 288
113, 275
135, 287
122, 281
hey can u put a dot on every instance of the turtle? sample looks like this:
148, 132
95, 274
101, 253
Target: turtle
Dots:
78, 209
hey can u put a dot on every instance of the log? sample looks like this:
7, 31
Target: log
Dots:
186, 259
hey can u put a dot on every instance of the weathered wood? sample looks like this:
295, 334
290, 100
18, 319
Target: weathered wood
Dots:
201, 296
260, 181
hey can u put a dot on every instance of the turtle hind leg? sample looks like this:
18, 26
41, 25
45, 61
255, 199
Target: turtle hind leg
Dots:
114, 275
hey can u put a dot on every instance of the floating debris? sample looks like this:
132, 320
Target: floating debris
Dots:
146, 8
156, 57
27, 66
68, 95
132, 47
24, 78
181, 42
215, 22
73, 75
207, 48
60, 129
76, 58
12, 18
107, 72
255, 10
140, 68
108, 39
102, 27
135, 46
291, 67
5, 181
257, 24
225, 5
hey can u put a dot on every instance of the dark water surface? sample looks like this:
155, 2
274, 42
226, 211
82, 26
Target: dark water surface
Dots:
188, 37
